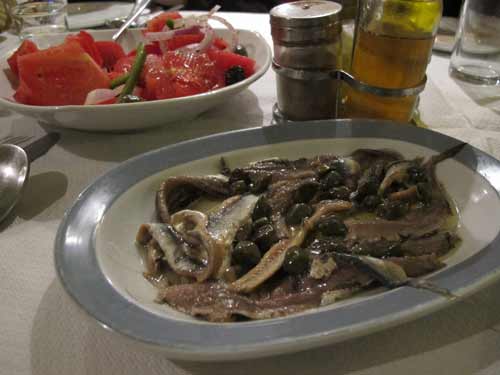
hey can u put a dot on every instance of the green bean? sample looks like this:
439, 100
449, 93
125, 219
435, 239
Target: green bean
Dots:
115, 82
135, 72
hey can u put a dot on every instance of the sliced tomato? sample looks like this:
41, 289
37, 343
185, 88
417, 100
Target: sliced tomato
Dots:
225, 60
88, 44
157, 23
26, 47
151, 49
124, 64
60, 75
183, 40
188, 74
220, 43
110, 52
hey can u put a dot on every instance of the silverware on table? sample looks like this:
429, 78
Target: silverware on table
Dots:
131, 19
14, 168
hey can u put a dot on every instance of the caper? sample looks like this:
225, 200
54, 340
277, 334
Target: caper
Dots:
371, 202
332, 226
323, 169
296, 260
306, 192
338, 166
261, 209
240, 50
424, 192
341, 192
246, 253
265, 237
260, 222
239, 187
297, 213
333, 179
259, 183
131, 99
416, 175
392, 210
244, 231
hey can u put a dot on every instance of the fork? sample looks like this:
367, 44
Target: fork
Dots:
16, 140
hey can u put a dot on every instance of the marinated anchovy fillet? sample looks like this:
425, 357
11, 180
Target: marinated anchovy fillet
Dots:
290, 235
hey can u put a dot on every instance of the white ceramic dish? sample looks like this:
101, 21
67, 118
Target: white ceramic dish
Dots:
99, 266
96, 13
133, 116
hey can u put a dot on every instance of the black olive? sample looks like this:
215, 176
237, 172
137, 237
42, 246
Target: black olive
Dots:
296, 260
240, 50
131, 99
265, 237
260, 222
341, 192
261, 209
239, 187
246, 253
306, 192
244, 231
333, 179
234, 75
259, 183
332, 226
392, 210
297, 213
371, 202
416, 175
424, 192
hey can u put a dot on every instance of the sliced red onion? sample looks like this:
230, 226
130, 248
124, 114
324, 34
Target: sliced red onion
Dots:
101, 95
234, 34
207, 40
158, 36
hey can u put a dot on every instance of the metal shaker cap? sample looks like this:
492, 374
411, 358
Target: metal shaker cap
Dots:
305, 14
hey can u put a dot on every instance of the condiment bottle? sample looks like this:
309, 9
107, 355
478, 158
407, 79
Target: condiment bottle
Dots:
392, 46
307, 47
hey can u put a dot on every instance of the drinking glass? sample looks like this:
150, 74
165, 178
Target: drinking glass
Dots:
36, 17
476, 57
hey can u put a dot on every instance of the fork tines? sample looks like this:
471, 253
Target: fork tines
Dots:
16, 140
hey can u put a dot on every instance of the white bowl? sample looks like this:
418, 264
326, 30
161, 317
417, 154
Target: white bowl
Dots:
132, 116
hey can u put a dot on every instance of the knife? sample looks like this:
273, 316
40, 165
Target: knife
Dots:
40, 147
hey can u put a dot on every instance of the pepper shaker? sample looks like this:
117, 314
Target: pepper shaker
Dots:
307, 47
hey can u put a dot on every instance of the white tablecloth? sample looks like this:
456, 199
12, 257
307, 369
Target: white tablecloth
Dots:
42, 332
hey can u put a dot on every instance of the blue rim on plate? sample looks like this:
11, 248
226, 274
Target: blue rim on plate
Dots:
78, 270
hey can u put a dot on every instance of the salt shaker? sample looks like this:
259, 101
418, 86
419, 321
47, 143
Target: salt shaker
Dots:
307, 48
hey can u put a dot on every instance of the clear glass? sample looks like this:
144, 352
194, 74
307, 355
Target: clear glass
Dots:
476, 57
392, 48
32, 18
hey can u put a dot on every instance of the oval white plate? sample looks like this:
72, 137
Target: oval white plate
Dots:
133, 116
99, 266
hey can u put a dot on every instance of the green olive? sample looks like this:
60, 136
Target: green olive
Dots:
296, 260
265, 237
333, 179
246, 253
244, 231
371, 202
332, 226
262, 209
297, 213
239, 187
260, 222
306, 192
392, 210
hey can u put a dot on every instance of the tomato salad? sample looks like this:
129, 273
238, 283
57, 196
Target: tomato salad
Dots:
179, 56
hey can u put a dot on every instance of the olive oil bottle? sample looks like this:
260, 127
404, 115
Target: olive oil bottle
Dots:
392, 47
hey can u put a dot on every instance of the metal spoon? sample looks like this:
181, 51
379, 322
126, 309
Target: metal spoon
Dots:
14, 171
15, 166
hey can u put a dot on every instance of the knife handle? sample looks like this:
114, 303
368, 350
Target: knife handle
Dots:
40, 147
